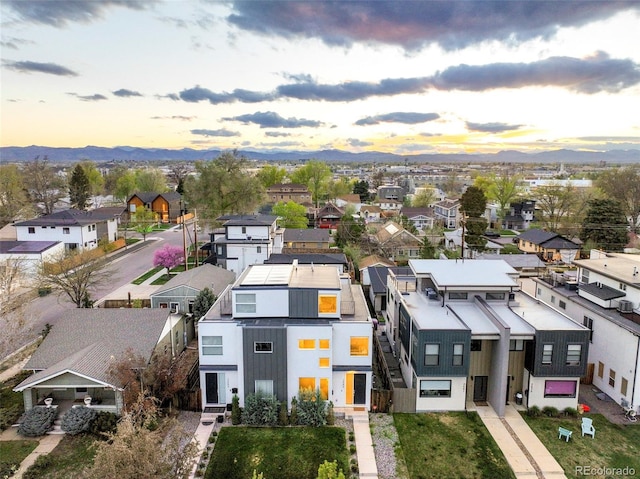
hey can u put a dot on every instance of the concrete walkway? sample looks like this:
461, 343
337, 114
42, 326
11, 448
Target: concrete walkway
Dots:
364, 444
526, 455
201, 438
46, 444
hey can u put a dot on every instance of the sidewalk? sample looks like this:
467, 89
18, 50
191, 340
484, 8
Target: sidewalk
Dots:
526, 455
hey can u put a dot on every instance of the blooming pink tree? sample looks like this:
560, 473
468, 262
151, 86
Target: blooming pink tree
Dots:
168, 257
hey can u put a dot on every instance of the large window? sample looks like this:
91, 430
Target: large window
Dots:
560, 389
547, 353
245, 303
431, 354
600, 369
430, 388
263, 347
494, 296
324, 388
264, 386
31, 230
573, 354
323, 362
307, 384
306, 344
516, 345
458, 354
359, 346
212, 345
458, 295
327, 303
65, 231
588, 322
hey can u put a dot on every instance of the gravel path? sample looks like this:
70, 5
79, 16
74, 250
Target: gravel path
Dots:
385, 439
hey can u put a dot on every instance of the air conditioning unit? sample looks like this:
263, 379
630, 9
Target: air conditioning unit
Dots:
625, 306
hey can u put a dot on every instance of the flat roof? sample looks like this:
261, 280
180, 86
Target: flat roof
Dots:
620, 266
429, 313
473, 317
301, 276
541, 316
17, 247
473, 272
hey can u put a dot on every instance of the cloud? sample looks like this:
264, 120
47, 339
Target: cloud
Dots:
413, 25
223, 132
409, 118
276, 134
425, 134
124, 93
270, 119
14, 43
633, 139
197, 94
35, 67
351, 91
94, 97
356, 143
58, 13
491, 127
174, 117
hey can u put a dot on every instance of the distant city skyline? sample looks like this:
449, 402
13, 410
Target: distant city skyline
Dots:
403, 77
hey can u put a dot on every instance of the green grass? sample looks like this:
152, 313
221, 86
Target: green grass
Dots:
67, 461
454, 444
147, 275
11, 403
279, 453
13, 453
131, 241
508, 233
162, 279
614, 446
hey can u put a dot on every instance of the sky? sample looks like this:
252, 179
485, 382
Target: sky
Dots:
402, 77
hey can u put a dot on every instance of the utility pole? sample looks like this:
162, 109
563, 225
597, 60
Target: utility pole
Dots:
464, 222
184, 244
195, 233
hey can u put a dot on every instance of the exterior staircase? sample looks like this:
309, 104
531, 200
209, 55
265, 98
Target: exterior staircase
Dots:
57, 427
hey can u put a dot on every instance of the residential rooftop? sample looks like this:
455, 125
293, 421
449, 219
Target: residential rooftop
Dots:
466, 273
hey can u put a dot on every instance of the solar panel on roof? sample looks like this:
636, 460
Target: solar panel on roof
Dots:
268, 275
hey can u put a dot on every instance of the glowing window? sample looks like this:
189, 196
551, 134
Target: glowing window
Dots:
324, 362
324, 388
359, 346
324, 343
327, 303
306, 344
307, 383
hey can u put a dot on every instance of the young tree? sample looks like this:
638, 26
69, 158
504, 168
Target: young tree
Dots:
14, 202
143, 221
340, 187
623, 185
169, 256
125, 186
79, 188
555, 202
76, 275
408, 225
45, 187
203, 302
291, 214
315, 175
424, 198
606, 225
271, 175
151, 180
350, 230
96, 180
223, 186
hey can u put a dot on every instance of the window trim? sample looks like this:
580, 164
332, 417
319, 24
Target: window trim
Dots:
263, 351
429, 356
358, 351
549, 382
571, 354
458, 359
547, 354
244, 303
424, 390
215, 345
458, 295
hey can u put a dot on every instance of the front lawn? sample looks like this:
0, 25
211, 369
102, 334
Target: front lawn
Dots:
614, 446
454, 444
11, 403
67, 461
162, 279
12, 453
278, 453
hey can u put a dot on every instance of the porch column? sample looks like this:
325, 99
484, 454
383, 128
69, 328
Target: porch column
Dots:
27, 397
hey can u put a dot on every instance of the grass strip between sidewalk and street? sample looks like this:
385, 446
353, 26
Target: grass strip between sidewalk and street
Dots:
141, 279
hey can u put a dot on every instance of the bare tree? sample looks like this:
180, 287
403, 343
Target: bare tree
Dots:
44, 185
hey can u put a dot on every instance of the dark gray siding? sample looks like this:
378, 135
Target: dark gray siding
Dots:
303, 303
272, 365
446, 339
404, 327
560, 341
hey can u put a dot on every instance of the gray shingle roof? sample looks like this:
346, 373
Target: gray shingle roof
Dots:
70, 217
204, 276
537, 236
313, 235
602, 291
86, 341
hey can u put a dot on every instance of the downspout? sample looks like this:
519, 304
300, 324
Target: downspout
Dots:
635, 375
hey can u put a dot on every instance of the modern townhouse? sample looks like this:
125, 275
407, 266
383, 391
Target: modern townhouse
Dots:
463, 332
604, 296
282, 328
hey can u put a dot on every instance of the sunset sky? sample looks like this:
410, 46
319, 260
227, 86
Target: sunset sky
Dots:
402, 77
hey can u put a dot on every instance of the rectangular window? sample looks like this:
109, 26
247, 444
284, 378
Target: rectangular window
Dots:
600, 370
359, 346
263, 347
174, 307
588, 322
431, 354
562, 304
244, 230
324, 388
560, 389
494, 296
574, 352
323, 362
245, 303
32, 230
623, 287
612, 378
539, 292
259, 249
458, 295
553, 299
323, 343
307, 383
547, 353
584, 276
516, 345
430, 388
264, 386
623, 386
327, 303
476, 345
458, 354
66, 231
212, 345
306, 344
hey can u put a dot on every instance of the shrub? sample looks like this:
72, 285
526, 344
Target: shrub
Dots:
311, 408
39, 468
37, 421
293, 418
352, 436
331, 416
354, 468
329, 470
236, 413
550, 411
104, 423
283, 415
77, 420
352, 449
8, 469
533, 411
571, 412
260, 410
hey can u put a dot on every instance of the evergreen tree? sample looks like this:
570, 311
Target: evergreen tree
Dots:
474, 203
79, 189
427, 250
204, 300
606, 225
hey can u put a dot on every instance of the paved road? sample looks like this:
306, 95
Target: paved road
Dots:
48, 309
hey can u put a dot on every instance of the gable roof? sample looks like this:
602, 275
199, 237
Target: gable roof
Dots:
412, 212
86, 341
297, 187
150, 196
350, 198
305, 234
372, 260
70, 217
204, 276
537, 236
329, 210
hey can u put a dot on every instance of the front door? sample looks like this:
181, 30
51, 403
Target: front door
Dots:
212, 388
480, 388
359, 389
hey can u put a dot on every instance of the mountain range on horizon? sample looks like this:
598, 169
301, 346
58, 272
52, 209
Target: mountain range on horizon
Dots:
128, 153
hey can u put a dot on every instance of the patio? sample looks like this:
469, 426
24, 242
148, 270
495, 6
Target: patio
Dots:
607, 407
